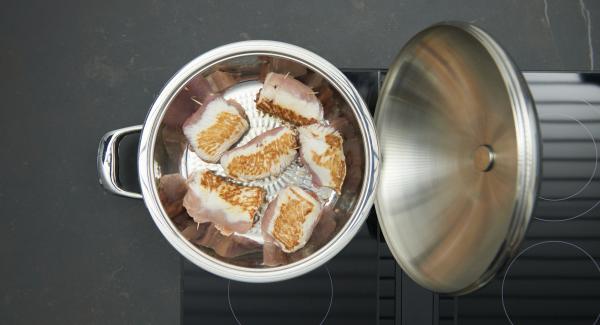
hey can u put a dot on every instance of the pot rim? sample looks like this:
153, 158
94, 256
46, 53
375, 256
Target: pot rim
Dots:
364, 200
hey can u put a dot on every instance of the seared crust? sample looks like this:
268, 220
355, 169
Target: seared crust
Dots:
292, 215
328, 166
248, 198
333, 159
290, 218
214, 127
266, 155
231, 207
213, 137
268, 107
289, 99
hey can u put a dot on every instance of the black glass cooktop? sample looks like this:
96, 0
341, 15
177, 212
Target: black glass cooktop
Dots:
555, 279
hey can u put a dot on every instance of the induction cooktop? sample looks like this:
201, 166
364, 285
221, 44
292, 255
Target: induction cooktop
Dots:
554, 279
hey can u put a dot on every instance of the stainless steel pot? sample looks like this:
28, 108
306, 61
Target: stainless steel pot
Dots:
163, 150
460, 153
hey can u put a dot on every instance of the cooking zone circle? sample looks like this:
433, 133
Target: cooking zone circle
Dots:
591, 150
278, 300
559, 277
593, 173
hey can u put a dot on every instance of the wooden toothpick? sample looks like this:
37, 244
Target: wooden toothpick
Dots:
193, 98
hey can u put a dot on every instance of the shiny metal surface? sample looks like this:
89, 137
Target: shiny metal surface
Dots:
451, 213
108, 161
162, 150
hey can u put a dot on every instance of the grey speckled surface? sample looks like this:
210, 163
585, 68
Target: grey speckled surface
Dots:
73, 254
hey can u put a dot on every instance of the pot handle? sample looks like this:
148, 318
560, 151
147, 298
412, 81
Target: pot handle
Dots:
108, 161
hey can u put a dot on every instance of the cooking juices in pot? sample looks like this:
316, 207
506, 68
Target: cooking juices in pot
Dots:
241, 109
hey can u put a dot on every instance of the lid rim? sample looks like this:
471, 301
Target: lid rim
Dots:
528, 156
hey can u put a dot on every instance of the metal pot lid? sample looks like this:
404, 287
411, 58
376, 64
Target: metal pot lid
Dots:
461, 158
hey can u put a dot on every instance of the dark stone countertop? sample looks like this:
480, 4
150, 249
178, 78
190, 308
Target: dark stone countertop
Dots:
73, 254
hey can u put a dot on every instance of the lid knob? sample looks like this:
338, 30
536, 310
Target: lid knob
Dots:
483, 158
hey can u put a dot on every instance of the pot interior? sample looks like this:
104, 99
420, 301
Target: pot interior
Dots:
240, 78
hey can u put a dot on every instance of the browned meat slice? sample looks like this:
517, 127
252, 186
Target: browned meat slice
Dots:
215, 127
323, 154
230, 206
289, 99
266, 155
290, 218
323, 232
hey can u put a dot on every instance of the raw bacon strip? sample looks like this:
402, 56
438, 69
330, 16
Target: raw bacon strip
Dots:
289, 99
323, 91
215, 127
220, 81
273, 255
231, 207
174, 142
185, 102
226, 246
290, 218
266, 155
278, 65
183, 221
323, 154
171, 189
